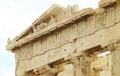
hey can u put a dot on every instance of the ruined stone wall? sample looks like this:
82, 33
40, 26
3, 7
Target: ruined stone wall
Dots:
75, 37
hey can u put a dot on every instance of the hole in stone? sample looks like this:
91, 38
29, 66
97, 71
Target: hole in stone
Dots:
64, 49
100, 35
104, 54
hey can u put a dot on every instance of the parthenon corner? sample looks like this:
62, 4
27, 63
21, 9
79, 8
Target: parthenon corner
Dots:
66, 41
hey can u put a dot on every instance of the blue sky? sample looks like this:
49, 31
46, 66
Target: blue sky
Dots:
17, 15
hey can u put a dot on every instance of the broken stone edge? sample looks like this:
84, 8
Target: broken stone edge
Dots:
18, 40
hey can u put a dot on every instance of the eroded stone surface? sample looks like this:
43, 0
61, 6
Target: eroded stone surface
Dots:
66, 42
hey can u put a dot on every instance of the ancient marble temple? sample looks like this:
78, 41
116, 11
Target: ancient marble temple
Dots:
70, 42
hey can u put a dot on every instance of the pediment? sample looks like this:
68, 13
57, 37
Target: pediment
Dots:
55, 10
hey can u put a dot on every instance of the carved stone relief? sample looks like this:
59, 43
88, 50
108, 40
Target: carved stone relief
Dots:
68, 12
74, 9
71, 39
110, 15
81, 65
101, 20
52, 19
